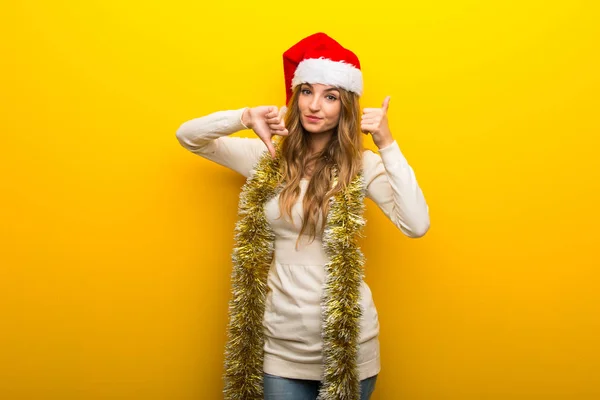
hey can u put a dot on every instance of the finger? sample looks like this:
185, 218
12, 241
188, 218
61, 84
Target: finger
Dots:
274, 121
278, 118
372, 114
276, 127
369, 127
280, 132
272, 112
370, 110
386, 104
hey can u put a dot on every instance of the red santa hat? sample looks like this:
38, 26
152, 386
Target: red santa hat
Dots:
320, 59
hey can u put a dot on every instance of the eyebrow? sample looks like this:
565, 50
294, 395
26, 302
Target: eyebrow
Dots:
326, 90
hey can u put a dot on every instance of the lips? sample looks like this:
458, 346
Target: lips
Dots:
313, 118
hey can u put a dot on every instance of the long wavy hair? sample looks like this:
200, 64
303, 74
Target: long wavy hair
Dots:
344, 152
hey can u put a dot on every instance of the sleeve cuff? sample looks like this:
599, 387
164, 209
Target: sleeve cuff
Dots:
241, 111
392, 155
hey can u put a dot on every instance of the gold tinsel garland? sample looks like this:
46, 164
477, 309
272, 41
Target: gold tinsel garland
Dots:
252, 257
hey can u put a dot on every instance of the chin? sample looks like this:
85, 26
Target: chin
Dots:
313, 129
308, 127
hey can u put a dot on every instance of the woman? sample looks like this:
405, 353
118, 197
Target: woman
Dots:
302, 322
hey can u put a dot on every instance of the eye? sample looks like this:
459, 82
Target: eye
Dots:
304, 91
331, 97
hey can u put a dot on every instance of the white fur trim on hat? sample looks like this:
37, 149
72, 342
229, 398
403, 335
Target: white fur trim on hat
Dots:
328, 72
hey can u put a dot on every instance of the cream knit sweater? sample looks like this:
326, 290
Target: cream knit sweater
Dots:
292, 320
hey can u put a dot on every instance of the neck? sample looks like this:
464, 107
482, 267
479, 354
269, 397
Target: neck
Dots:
318, 141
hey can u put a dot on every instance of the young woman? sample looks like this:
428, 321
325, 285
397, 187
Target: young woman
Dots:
302, 321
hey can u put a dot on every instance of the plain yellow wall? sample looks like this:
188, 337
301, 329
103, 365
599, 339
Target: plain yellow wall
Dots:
116, 242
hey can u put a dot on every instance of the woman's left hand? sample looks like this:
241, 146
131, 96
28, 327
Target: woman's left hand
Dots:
375, 122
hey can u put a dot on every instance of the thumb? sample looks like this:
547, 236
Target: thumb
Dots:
386, 104
269, 145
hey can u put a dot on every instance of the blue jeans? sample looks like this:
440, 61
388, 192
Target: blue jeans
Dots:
278, 388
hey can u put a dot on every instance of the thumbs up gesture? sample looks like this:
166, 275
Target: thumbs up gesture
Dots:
375, 122
266, 121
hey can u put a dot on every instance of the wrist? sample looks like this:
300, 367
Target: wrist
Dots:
385, 145
246, 118
385, 141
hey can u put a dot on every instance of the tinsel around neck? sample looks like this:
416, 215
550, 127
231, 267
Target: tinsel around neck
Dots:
252, 257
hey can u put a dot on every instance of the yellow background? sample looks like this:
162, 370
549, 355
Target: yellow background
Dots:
116, 242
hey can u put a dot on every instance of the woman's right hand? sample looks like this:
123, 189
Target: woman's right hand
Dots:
266, 121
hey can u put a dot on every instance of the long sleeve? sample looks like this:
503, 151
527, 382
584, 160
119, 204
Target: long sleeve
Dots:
207, 137
392, 185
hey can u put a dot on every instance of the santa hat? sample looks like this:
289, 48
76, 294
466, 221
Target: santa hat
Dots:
320, 59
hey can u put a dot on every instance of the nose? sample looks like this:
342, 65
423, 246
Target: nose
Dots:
315, 104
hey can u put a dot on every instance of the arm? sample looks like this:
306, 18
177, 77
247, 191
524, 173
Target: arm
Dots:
392, 185
207, 137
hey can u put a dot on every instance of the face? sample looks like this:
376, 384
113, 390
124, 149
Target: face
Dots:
321, 102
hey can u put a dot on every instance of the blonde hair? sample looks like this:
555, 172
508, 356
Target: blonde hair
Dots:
344, 152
